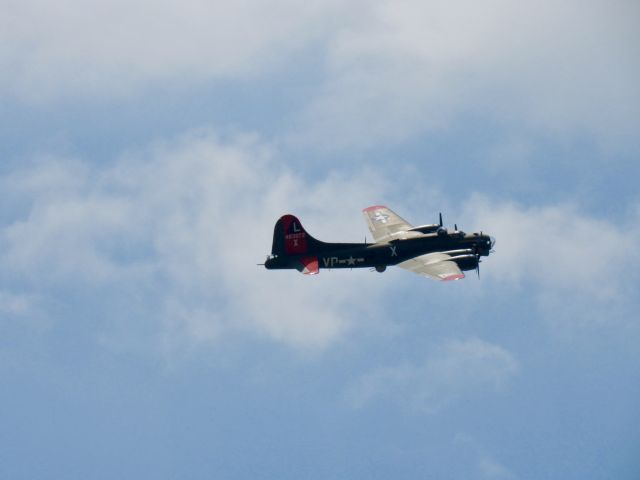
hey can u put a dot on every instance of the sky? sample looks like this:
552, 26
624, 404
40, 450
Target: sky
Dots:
148, 148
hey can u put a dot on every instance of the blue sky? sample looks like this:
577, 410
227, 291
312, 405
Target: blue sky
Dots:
146, 151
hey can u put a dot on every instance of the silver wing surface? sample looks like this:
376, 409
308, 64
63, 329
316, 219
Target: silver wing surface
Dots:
434, 265
385, 225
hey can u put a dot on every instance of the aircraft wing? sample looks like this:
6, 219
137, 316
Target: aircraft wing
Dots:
434, 265
386, 225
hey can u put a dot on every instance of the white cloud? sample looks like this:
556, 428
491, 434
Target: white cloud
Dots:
581, 270
181, 226
72, 46
491, 469
392, 68
401, 66
409, 66
486, 465
454, 369
22, 311
11, 304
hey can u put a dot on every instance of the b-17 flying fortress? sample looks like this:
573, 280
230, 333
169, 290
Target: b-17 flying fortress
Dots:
430, 250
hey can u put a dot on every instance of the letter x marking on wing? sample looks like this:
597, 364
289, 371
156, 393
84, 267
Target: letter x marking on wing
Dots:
393, 250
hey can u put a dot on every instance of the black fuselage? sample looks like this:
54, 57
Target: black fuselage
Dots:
465, 249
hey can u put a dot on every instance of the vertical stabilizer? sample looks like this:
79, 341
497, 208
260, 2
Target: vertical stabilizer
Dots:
291, 239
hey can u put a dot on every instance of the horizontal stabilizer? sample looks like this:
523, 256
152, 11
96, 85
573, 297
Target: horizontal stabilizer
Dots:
309, 266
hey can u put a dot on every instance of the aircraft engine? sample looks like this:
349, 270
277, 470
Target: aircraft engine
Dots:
466, 262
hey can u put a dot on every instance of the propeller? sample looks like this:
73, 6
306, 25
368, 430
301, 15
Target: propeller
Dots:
441, 230
475, 251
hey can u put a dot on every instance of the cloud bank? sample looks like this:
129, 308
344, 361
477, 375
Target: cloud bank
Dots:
388, 70
115, 47
177, 229
413, 66
581, 270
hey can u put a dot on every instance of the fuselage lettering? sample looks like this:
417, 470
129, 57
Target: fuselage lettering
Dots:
329, 261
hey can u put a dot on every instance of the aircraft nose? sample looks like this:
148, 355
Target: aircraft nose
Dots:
493, 241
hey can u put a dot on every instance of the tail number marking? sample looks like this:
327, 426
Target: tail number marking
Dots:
329, 261
294, 237
333, 261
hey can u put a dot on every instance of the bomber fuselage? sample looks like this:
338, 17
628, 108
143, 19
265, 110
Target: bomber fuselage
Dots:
465, 248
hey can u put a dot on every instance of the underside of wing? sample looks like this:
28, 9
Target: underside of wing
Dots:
438, 266
386, 225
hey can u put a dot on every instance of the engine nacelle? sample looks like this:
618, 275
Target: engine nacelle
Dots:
466, 262
425, 228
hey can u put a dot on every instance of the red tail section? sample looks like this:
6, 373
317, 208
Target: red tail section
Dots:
290, 239
295, 237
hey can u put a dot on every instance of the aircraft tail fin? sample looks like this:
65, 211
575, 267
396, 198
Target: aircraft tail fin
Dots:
290, 238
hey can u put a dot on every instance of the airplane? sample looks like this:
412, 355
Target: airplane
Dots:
429, 250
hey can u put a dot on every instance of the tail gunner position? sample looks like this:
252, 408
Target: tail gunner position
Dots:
429, 250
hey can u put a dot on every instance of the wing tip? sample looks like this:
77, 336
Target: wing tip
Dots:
455, 276
373, 207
